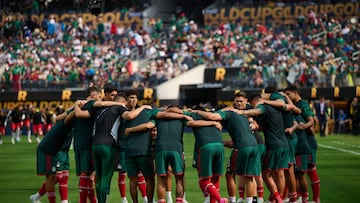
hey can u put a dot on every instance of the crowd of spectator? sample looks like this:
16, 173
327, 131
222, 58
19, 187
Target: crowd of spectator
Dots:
315, 51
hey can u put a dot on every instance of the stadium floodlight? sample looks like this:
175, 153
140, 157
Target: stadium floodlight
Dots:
95, 6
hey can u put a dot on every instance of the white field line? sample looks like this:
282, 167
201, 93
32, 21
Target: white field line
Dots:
340, 149
345, 144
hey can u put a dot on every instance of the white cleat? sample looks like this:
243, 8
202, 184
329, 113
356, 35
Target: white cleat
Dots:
33, 199
12, 140
240, 200
29, 140
260, 200
38, 140
1, 141
286, 200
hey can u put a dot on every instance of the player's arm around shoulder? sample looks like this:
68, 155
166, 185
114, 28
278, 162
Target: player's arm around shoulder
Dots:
204, 123
139, 128
209, 115
79, 113
129, 115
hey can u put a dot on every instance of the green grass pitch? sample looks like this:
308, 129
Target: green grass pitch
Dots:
338, 167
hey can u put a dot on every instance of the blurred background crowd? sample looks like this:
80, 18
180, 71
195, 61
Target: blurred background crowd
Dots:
316, 51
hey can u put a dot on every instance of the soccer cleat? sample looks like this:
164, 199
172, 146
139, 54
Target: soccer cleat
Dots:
207, 199
12, 140
38, 140
240, 200
286, 200
260, 200
18, 139
33, 199
1, 141
29, 140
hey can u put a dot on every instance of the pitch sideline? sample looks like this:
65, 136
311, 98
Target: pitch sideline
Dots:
340, 149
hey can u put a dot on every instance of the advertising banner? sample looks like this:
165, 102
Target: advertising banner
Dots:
53, 99
131, 19
279, 14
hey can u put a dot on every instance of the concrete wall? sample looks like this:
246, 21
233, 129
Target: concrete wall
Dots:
170, 90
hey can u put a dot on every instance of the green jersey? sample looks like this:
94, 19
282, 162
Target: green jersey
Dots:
272, 123
138, 143
287, 115
169, 133
83, 130
121, 136
306, 112
205, 135
302, 146
68, 140
55, 138
239, 129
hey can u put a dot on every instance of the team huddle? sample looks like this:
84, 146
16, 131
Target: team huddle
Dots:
114, 134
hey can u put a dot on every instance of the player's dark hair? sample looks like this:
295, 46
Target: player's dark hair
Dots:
292, 88
240, 94
91, 90
119, 96
270, 89
110, 88
131, 92
255, 97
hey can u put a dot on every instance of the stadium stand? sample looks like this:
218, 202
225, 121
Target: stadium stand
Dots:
317, 51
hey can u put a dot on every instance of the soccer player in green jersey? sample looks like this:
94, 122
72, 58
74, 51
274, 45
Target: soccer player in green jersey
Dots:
302, 153
282, 102
241, 102
243, 160
62, 174
49, 156
168, 148
138, 158
209, 155
277, 150
308, 115
82, 148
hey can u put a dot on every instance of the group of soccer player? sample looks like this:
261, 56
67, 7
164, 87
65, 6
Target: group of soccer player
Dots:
113, 134
28, 119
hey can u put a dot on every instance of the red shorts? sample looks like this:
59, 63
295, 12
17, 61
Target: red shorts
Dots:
38, 129
48, 127
15, 126
27, 123
2, 130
